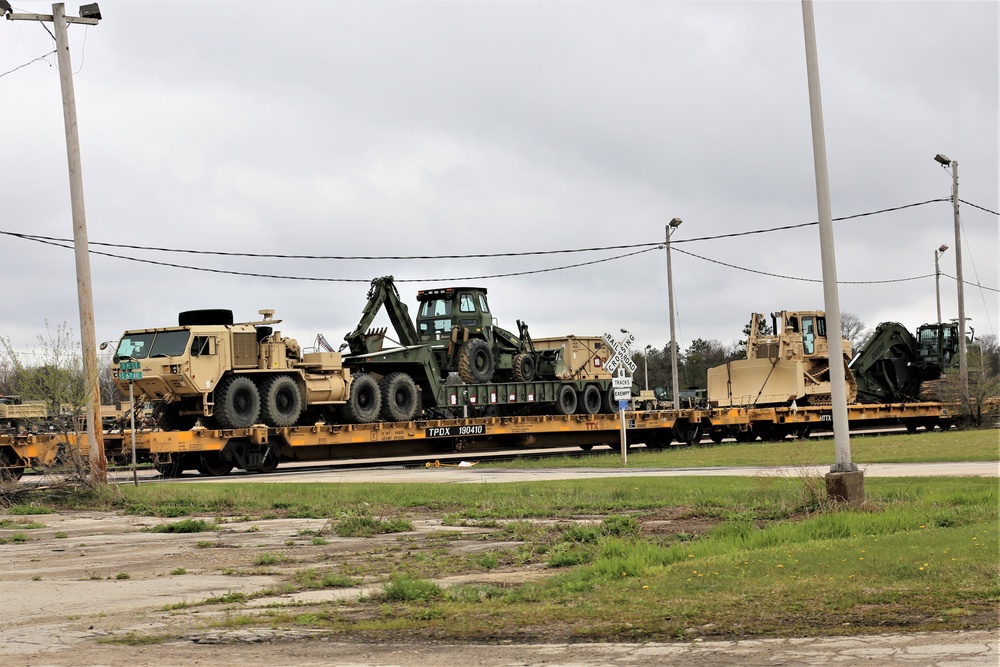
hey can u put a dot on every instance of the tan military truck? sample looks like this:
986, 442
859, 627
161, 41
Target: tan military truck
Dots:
233, 375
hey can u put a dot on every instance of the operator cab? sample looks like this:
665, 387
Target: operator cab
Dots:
442, 309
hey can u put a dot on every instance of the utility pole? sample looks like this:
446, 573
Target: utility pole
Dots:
674, 384
90, 15
937, 288
963, 364
844, 481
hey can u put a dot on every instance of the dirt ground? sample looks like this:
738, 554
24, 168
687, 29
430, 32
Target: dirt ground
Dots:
87, 578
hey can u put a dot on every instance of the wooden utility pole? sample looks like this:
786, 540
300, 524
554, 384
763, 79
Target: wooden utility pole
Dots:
95, 435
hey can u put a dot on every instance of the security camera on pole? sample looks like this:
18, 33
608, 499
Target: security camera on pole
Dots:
621, 361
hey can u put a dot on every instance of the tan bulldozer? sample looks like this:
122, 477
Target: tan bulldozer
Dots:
792, 365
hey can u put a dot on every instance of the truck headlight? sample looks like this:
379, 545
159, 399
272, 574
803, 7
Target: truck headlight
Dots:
174, 369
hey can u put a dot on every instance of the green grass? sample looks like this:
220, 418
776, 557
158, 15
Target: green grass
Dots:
185, 526
953, 445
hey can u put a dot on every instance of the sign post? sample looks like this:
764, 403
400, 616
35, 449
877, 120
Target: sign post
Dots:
621, 360
129, 370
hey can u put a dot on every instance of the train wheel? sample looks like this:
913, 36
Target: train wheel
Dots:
717, 435
589, 400
399, 397
237, 402
586, 448
281, 401
365, 402
524, 368
475, 362
11, 468
172, 468
565, 400
270, 462
212, 464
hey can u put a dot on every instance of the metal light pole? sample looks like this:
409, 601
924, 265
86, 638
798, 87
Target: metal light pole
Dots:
937, 283
645, 365
963, 367
89, 15
675, 385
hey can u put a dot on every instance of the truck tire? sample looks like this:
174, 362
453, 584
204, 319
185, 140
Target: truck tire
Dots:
589, 400
524, 368
365, 402
237, 402
399, 397
609, 405
281, 401
216, 316
168, 417
565, 400
475, 362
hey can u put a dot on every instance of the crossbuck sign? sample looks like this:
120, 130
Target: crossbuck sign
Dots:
621, 360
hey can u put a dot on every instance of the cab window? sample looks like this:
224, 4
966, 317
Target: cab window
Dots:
808, 335
202, 346
482, 304
467, 304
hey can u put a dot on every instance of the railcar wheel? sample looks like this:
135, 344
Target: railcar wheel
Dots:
589, 400
524, 368
11, 467
565, 400
237, 402
211, 464
172, 468
399, 397
717, 435
475, 362
270, 462
365, 402
281, 401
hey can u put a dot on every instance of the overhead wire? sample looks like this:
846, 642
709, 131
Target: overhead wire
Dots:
637, 249
222, 253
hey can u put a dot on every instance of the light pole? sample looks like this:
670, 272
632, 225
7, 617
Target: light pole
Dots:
937, 282
645, 365
89, 15
963, 367
675, 388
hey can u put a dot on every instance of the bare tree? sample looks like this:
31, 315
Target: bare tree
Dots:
853, 329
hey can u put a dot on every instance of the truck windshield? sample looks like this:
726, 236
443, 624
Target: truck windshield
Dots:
153, 344
435, 318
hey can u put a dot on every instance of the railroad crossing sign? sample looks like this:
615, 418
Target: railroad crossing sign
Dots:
621, 357
621, 360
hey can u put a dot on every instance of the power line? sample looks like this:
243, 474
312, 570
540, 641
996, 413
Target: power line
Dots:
654, 244
981, 208
350, 280
804, 280
28, 63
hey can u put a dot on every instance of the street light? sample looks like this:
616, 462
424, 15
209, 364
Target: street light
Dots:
963, 368
645, 365
675, 385
937, 282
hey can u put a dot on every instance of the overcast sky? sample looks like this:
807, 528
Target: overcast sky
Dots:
450, 128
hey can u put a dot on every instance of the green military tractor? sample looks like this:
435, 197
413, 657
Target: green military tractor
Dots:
454, 332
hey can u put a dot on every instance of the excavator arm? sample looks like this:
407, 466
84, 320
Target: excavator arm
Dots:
383, 292
887, 367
